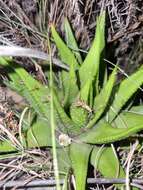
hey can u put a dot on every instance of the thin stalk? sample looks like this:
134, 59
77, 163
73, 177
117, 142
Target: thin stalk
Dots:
20, 124
52, 122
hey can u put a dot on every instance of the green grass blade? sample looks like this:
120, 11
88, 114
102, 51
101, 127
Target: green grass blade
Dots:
126, 89
90, 66
79, 156
71, 41
52, 124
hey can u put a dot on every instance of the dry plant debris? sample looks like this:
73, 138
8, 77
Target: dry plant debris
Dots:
26, 22
33, 164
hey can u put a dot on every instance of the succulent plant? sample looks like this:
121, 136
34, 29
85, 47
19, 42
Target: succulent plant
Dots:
88, 108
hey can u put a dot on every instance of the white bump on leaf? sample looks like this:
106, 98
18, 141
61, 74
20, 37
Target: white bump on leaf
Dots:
64, 140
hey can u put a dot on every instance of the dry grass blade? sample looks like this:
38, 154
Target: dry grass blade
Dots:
12, 138
27, 52
20, 124
128, 164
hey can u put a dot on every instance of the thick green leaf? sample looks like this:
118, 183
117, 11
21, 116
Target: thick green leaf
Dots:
85, 92
6, 147
39, 135
104, 132
71, 41
14, 84
34, 92
126, 89
102, 99
79, 155
90, 66
64, 162
62, 119
79, 109
65, 53
79, 115
120, 120
67, 57
105, 160
137, 109
71, 89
